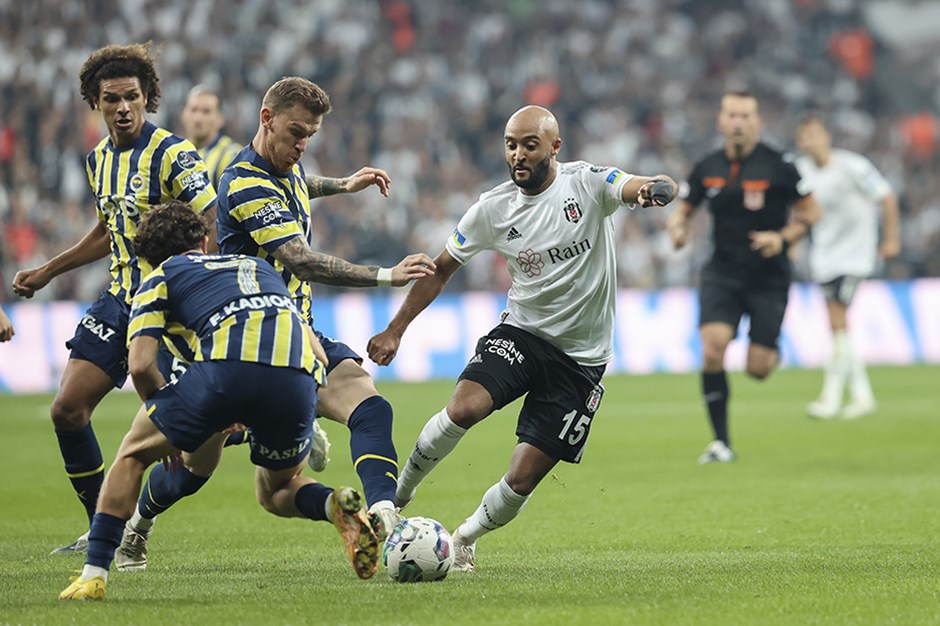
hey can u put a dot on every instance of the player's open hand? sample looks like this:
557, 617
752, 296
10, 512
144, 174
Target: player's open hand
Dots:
27, 282
383, 347
768, 242
412, 267
369, 176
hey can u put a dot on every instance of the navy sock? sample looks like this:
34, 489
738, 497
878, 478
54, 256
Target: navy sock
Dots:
103, 539
83, 464
311, 500
237, 439
715, 391
373, 453
165, 488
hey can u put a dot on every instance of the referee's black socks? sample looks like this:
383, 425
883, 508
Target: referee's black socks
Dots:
715, 392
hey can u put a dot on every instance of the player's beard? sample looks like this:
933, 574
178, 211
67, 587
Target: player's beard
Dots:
537, 175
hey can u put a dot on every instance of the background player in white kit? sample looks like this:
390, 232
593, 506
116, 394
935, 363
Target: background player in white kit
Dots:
844, 251
556, 337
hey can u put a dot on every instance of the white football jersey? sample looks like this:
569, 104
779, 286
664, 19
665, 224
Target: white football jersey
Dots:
849, 190
559, 247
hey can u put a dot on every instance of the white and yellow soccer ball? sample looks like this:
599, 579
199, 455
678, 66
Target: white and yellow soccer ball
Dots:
419, 549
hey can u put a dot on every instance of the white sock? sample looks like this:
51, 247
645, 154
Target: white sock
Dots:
837, 369
93, 571
141, 524
437, 439
500, 506
859, 385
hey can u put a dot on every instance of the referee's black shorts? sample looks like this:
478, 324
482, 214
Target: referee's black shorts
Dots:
725, 298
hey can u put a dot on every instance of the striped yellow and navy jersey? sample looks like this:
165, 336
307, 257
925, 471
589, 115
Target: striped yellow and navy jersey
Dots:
260, 210
227, 308
218, 155
127, 182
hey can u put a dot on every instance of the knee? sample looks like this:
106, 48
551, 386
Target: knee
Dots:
464, 414
522, 485
266, 500
66, 415
713, 357
759, 371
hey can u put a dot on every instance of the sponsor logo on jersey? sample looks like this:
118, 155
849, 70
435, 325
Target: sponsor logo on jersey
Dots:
459, 239
530, 262
614, 176
505, 348
195, 181
513, 234
185, 160
137, 183
566, 253
476, 358
114, 204
270, 211
573, 210
594, 398
98, 328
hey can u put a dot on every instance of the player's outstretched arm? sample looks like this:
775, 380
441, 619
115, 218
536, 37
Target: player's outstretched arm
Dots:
142, 365
649, 191
317, 267
6, 327
93, 246
383, 347
320, 186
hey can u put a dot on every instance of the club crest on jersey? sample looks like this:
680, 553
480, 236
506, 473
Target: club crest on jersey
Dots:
530, 262
594, 398
185, 160
572, 211
754, 191
137, 183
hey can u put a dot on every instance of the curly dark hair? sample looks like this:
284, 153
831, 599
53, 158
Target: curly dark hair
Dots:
292, 90
169, 229
133, 60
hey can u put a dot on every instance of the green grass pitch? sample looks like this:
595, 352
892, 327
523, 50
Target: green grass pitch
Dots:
816, 523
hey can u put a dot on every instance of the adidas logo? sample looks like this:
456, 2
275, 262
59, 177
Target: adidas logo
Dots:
477, 358
513, 234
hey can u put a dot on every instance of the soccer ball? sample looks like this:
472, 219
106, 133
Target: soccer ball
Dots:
419, 549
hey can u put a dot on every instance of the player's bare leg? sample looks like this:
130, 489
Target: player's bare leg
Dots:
715, 338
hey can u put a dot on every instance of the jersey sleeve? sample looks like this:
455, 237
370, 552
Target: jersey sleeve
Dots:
606, 183
791, 179
260, 209
868, 179
150, 308
186, 178
692, 189
472, 235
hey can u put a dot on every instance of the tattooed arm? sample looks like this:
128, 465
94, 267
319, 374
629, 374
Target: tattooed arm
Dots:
317, 267
326, 269
320, 186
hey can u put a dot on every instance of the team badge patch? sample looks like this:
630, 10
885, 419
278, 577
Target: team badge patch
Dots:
459, 239
572, 211
137, 183
594, 398
754, 199
186, 160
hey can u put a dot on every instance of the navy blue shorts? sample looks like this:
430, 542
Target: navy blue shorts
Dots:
274, 402
336, 351
101, 337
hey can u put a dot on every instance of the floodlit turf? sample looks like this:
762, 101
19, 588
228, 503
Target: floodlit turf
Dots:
817, 523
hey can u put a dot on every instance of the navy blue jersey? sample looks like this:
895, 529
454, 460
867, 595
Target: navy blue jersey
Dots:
225, 308
259, 210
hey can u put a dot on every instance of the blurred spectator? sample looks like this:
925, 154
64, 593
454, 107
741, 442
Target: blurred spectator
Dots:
421, 88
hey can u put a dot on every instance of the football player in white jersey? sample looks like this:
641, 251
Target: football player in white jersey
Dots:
551, 223
844, 251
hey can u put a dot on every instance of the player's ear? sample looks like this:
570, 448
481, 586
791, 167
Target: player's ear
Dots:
205, 244
266, 117
556, 146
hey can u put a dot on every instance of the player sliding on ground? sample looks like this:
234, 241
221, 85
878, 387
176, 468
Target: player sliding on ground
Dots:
552, 224
251, 339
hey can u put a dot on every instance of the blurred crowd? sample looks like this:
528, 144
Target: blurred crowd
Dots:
422, 88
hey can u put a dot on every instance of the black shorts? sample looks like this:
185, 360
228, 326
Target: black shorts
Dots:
841, 289
563, 396
725, 298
